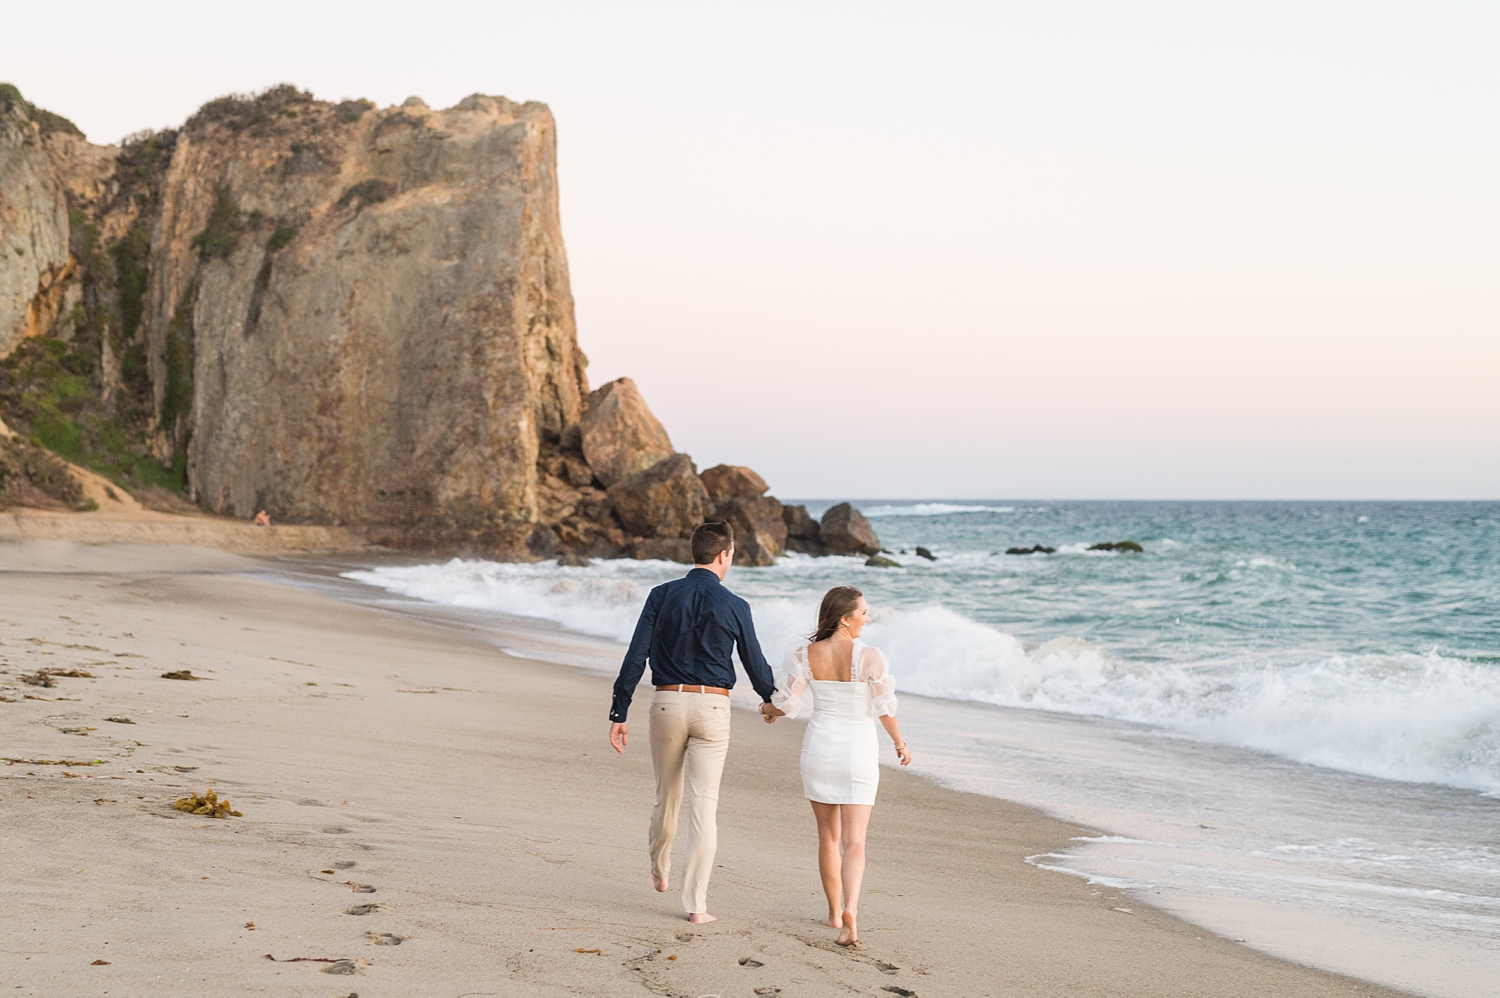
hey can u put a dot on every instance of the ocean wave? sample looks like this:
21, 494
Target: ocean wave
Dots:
602, 603
933, 509
1417, 718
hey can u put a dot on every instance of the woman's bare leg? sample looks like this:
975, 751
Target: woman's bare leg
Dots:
855, 821
828, 859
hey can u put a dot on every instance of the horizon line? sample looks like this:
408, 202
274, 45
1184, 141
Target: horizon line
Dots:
806, 499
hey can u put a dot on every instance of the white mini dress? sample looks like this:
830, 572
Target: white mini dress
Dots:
840, 752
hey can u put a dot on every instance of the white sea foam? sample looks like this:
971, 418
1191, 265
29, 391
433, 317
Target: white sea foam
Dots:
1421, 718
591, 601
933, 509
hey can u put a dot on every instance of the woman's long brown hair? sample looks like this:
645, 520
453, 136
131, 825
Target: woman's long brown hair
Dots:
838, 603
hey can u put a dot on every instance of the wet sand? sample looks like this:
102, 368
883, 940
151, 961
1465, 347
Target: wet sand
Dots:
472, 799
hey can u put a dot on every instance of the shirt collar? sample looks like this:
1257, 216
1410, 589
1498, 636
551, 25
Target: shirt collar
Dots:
702, 574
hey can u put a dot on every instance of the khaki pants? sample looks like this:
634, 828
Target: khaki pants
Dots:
689, 739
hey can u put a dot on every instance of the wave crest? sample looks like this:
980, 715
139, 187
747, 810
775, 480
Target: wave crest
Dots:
933, 509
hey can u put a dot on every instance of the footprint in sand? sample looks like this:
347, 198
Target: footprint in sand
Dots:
342, 967
363, 909
386, 939
767, 992
685, 937
750, 961
344, 864
361, 888
886, 968
903, 992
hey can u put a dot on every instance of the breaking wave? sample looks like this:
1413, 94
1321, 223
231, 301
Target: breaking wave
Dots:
1411, 717
933, 509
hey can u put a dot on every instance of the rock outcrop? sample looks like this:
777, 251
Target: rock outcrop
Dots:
739, 497
802, 531
1130, 546
663, 549
759, 529
34, 256
845, 530
31, 476
344, 315
619, 435
666, 500
381, 320
729, 481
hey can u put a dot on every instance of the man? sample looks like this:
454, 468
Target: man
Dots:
687, 630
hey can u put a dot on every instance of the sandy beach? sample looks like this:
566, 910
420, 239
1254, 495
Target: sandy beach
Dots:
449, 820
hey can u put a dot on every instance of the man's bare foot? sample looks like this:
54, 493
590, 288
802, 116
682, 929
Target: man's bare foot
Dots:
661, 885
850, 934
699, 917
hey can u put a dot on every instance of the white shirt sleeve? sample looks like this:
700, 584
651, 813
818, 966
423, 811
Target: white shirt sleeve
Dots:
876, 671
792, 682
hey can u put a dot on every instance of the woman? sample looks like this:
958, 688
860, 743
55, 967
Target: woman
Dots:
851, 684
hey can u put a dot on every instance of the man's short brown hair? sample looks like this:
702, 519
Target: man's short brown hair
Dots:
709, 539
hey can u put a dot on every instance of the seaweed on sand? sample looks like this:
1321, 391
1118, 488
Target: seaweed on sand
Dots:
208, 804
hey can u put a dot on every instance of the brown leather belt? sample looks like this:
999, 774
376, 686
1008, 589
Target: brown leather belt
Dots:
681, 688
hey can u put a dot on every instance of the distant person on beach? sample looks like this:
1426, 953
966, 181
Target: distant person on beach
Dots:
852, 684
262, 519
687, 631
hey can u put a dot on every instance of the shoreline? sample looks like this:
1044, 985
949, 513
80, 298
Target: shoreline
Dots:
471, 786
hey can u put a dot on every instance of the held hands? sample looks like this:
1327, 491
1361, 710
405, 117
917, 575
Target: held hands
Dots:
617, 736
771, 712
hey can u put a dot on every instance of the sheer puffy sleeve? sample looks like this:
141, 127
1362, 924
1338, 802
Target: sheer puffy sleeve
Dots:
792, 681
876, 671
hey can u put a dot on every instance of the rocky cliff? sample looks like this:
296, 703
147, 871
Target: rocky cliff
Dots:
338, 313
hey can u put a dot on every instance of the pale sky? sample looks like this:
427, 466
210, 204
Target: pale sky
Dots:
1001, 250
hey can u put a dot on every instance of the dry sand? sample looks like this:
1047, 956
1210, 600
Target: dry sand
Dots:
476, 796
121, 520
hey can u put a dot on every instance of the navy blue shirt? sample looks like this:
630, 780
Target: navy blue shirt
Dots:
687, 629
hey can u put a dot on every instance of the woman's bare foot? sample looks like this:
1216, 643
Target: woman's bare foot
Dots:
834, 920
850, 934
661, 885
699, 917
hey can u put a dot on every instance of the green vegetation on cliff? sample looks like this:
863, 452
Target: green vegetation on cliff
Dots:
48, 395
222, 234
241, 111
178, 401
30, 476
10, 99
130, 256
84, 390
